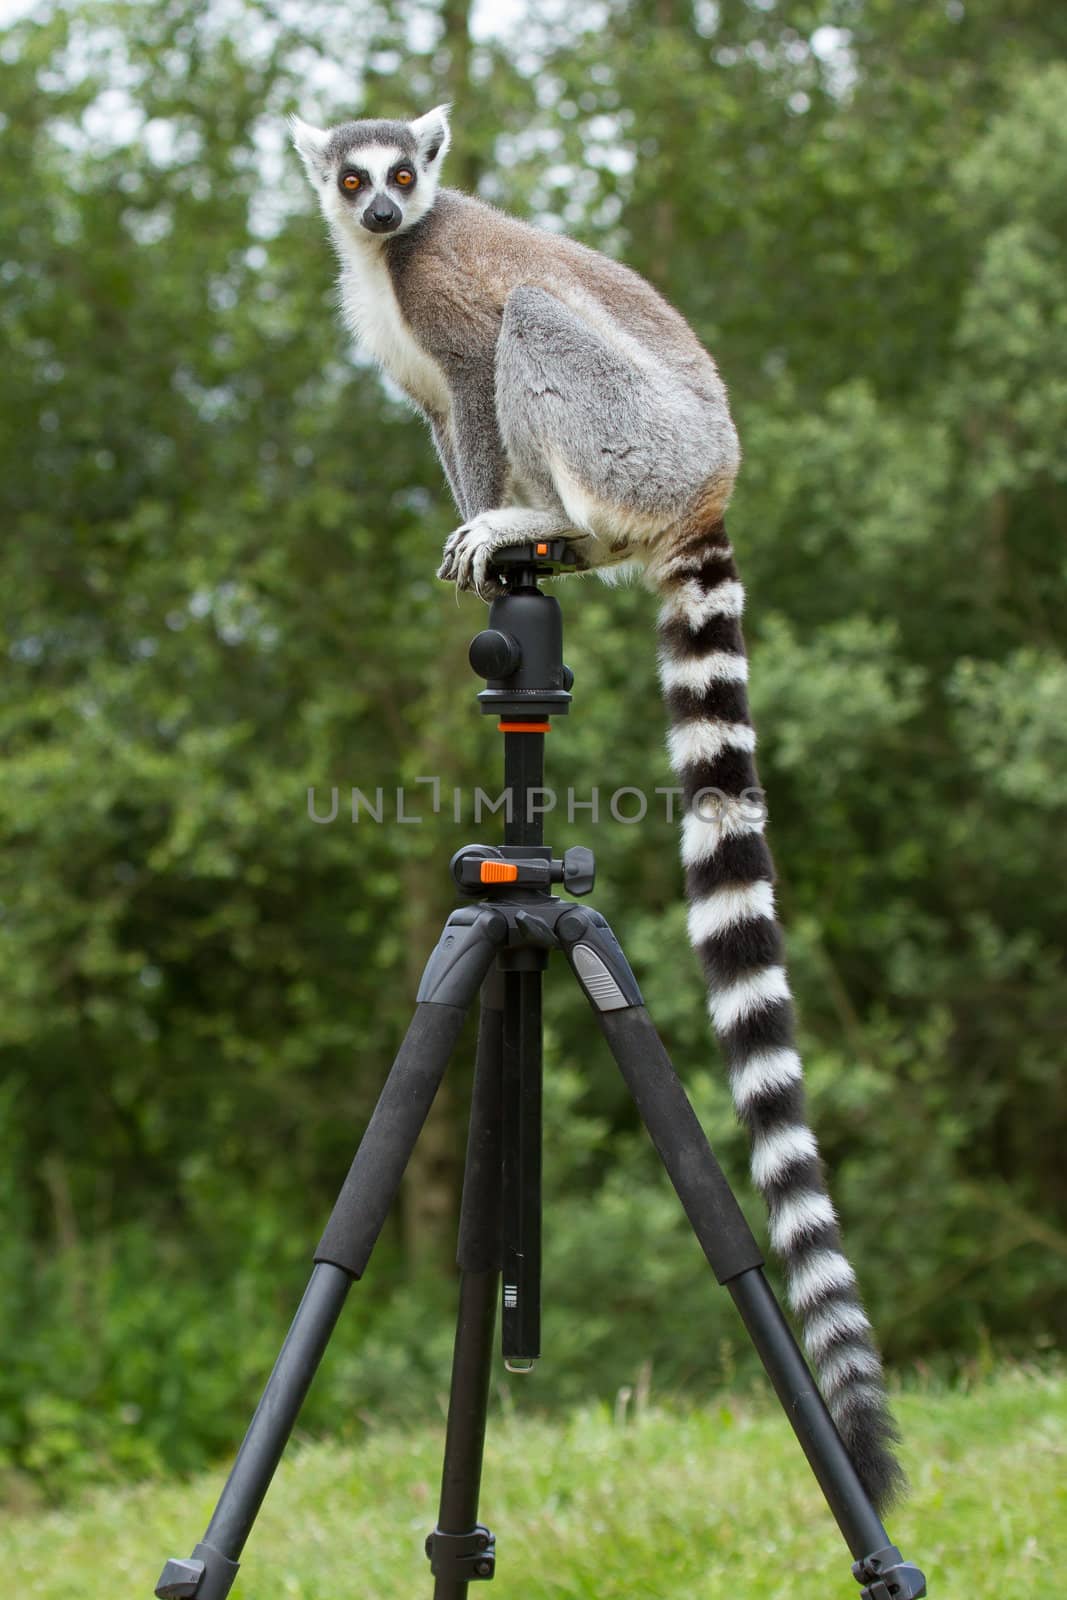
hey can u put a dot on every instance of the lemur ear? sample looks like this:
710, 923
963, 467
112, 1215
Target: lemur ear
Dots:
311, 145
432, 135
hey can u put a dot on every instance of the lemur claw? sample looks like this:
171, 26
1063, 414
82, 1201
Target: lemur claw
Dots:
467, 555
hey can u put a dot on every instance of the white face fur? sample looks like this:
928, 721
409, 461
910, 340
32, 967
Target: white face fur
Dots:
374, 179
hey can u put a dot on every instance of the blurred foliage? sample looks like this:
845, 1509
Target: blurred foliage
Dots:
216, 593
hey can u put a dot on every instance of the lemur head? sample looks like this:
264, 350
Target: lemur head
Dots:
374, 178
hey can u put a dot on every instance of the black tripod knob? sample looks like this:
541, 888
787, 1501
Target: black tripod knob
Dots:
494, 654
579, 869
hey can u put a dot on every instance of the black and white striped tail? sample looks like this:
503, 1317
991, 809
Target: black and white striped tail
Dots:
729, 887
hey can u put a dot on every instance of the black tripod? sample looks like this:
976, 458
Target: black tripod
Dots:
500, 946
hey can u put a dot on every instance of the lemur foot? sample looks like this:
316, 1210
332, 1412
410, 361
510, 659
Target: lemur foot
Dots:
469, 552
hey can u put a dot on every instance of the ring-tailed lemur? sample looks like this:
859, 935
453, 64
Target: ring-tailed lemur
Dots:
567, 398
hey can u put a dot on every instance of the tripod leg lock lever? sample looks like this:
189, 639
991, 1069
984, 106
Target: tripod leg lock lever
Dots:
462, 1556
888, 1576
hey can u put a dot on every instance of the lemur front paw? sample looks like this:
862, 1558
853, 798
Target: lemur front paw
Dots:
468, 554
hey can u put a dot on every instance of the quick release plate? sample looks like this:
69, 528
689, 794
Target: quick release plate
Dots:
544, 556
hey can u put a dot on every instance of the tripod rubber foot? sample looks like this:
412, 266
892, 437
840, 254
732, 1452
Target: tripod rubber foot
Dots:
179, 1580
888, 1576
206, 1575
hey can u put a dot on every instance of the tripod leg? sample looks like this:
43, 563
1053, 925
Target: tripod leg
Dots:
727, 1241
460, 1549
451, 979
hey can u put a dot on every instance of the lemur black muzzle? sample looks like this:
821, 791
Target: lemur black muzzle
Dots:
381, 216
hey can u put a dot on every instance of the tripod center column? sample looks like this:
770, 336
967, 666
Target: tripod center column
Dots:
520, 655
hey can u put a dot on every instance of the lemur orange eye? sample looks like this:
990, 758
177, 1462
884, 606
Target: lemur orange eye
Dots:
351, 182
405, 177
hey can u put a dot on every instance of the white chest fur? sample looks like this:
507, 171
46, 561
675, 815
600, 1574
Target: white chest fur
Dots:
374, 317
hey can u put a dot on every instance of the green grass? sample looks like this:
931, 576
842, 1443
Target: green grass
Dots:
696, 1505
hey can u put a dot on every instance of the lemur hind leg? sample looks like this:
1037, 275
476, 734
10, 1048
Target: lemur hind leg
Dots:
608, 448
623, 445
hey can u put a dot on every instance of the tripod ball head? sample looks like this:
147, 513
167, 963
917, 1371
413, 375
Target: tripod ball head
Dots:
520, 653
